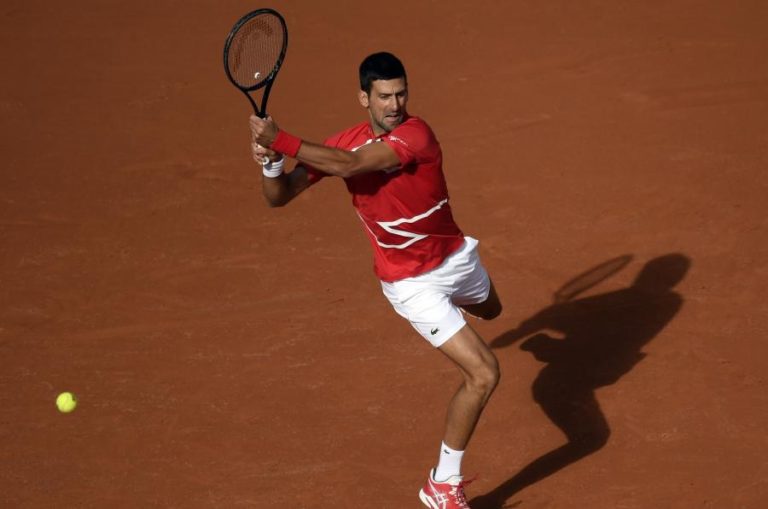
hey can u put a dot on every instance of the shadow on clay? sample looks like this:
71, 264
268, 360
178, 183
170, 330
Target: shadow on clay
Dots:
588, 343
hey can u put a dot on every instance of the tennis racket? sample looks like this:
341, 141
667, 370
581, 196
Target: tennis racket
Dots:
590, 278
254, 52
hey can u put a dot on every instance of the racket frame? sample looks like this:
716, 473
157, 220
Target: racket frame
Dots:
266, 84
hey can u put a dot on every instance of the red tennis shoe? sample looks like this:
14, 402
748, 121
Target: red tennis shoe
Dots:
444, 495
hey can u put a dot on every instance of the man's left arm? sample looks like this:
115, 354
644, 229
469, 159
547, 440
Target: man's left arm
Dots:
333, 161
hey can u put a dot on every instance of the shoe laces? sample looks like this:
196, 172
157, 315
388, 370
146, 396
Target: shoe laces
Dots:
457, 492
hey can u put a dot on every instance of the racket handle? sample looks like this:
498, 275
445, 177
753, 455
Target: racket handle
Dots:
264, 159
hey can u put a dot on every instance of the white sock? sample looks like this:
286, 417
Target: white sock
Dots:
449, 464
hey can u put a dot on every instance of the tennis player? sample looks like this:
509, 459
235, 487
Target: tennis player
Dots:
429, 270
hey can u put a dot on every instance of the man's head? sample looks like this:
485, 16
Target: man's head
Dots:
383, 90
380, 66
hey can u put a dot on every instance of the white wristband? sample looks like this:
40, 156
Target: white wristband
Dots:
273, 169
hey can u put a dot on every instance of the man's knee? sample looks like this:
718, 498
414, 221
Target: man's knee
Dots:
485, 377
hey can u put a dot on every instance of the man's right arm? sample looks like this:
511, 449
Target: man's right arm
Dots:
280, 190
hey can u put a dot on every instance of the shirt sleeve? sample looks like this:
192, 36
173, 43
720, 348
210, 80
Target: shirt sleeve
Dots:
413, 142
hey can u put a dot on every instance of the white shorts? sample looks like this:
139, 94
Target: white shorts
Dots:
431, 301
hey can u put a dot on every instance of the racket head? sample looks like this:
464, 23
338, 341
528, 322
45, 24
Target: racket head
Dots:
590, 278
254, 52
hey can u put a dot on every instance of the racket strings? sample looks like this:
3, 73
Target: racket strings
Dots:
255, 50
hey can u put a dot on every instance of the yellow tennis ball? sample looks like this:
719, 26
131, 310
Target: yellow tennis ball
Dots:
66, 402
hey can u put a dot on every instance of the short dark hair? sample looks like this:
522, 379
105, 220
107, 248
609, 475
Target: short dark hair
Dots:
380, 66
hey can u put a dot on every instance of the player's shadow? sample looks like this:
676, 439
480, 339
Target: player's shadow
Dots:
588, 343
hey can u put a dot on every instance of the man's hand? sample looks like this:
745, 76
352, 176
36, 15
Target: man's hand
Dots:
263, 155
263, 131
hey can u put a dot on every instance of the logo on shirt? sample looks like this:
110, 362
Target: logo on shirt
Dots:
433, 332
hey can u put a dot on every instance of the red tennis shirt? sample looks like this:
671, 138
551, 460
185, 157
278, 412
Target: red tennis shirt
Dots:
404, 209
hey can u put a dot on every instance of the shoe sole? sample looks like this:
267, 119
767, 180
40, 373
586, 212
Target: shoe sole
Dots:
426, 500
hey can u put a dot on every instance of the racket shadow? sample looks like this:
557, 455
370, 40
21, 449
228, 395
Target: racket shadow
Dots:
599, 339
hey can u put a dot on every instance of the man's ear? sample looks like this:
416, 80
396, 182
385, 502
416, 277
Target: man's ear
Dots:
363, 98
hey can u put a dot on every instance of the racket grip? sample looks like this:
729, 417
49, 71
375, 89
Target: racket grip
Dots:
264, 159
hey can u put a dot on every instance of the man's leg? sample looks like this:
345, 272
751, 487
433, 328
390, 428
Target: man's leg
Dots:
489, 309
478, 365
480, 370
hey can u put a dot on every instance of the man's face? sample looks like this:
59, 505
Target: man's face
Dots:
386, 104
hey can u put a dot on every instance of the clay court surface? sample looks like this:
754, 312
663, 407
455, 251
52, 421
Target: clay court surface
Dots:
228, 355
